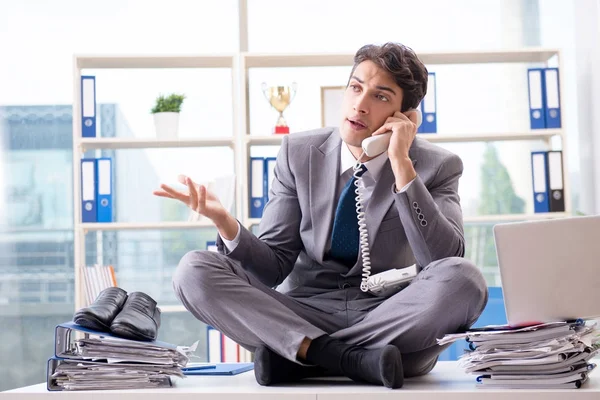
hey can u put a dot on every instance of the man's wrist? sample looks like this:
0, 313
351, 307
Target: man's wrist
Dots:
227, 226
404, 172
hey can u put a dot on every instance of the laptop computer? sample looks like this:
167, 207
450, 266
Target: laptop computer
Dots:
550, 269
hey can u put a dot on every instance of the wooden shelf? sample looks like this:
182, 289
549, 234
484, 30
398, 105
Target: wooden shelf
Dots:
112, 226
541, 134
275, 60
137, 143
271, 140
155, 61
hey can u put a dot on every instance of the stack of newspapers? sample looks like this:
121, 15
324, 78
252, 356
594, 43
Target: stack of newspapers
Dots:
88, 360
551, 355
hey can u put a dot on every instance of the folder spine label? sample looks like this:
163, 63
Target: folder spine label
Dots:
88, 106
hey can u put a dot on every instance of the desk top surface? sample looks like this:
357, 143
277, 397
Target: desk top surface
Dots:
445, 381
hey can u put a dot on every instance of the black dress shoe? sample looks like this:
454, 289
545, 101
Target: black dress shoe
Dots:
100, 314
139, 319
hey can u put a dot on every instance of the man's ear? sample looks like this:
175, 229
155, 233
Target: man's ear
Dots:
414, 114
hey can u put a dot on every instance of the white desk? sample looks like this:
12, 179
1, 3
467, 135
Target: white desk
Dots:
445, 382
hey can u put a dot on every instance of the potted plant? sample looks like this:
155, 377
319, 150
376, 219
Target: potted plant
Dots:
166, 115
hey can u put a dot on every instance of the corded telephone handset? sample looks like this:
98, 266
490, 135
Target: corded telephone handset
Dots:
375, 145
390, 280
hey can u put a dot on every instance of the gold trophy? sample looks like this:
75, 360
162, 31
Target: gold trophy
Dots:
280, 97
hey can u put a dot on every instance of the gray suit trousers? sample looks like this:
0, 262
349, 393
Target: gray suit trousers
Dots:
446, 296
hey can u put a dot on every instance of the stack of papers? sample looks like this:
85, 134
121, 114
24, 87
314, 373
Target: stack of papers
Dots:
88, 375
551, 355
99, 361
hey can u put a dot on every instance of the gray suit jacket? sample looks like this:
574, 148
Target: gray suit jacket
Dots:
421, 225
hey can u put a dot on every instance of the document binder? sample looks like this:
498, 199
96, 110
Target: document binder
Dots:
55, 362
104, 190
537, 107
552, 101
88, 190
88, 106
429, 107
214, 345
63, 339
67, 352
539, 161
257, 186
269, 175
231, 350
555, 181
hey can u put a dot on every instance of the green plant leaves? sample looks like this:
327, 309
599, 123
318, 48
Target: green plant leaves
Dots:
171, 103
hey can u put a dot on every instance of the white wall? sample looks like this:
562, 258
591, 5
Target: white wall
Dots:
587, 58
573, 26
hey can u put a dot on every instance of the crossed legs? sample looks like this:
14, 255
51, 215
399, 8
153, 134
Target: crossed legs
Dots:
446, 296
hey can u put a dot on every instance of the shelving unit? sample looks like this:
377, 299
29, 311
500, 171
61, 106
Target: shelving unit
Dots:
241, 141
526, 55
81, 144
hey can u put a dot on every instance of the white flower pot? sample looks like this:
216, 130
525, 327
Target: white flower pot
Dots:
166, 125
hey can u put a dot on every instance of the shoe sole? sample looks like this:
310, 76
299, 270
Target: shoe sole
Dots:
91, 322
129, 333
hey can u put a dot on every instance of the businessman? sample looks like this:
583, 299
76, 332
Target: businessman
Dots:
292, 293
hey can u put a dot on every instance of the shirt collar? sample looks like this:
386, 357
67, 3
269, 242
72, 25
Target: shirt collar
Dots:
374, 166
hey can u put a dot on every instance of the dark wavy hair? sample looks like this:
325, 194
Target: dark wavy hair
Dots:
403, 64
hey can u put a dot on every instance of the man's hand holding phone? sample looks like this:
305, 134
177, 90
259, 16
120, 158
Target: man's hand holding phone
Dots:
204, 203
404, 131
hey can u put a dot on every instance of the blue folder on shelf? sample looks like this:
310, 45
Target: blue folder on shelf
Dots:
222, 369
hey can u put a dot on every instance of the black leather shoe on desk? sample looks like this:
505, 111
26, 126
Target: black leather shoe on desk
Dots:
139, 319
100, 314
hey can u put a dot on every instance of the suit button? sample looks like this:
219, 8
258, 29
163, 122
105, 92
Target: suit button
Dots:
346, 285
421, 217
415, 204
423, 223
418, 210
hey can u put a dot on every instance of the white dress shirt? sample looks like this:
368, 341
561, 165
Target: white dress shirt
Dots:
347, 162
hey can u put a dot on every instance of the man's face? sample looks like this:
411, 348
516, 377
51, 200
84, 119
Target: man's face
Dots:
371, 97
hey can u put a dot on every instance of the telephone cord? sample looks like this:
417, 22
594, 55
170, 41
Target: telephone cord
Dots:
362, 228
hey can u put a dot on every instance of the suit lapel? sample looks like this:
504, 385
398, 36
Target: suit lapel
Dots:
324, 171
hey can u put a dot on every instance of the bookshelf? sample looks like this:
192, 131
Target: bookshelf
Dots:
81, 145
122, 143
241, 141
545, 56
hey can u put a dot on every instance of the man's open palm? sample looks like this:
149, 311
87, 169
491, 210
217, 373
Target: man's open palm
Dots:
198, 198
